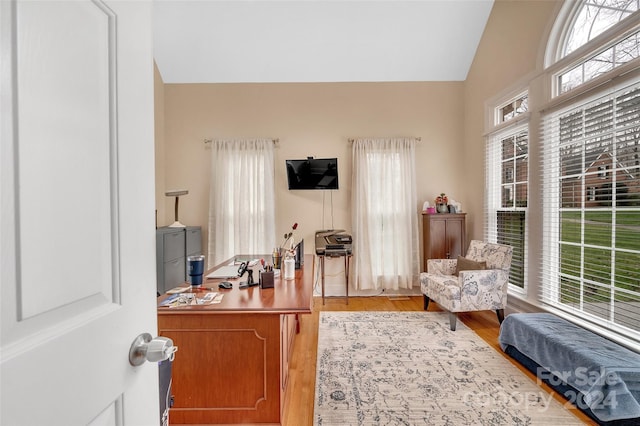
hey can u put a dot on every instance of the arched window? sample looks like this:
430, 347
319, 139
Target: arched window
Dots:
590, 39
589, 139
593, 18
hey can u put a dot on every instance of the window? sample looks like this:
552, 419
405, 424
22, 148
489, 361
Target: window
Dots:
384, 219
507, 194
600, 63
602, 172
513, 108
592, 209
241, 198
593, 18
589, 174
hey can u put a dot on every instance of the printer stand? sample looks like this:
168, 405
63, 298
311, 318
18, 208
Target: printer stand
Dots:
347, 261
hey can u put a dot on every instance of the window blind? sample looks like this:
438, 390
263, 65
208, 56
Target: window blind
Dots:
506, 190
590, 169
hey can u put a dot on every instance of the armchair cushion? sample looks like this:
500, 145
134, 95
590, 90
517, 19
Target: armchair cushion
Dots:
464, 264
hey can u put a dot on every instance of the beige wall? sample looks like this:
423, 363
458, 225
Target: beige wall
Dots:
509, 55
311, 120
318, 119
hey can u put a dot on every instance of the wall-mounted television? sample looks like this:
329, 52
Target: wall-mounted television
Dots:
313, 173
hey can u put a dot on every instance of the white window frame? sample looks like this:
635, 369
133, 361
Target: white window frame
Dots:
498, 116
494, 186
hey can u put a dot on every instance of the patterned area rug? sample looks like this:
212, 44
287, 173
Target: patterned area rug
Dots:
409, 368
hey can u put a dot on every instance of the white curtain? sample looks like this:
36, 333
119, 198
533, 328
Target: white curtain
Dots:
241, 199
385, 217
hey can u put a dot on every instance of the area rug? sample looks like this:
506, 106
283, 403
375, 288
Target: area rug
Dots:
409, 368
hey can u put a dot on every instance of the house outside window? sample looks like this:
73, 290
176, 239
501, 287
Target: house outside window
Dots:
590, 179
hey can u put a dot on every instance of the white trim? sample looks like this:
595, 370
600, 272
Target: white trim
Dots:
558, 34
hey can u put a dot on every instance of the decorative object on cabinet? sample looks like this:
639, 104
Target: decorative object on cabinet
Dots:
173, 246
442, 203
475, 287
176, 193
443, 236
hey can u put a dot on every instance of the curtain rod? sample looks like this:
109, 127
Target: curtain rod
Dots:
208, 141
351, 140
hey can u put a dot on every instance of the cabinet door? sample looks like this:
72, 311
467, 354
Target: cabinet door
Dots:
438, 239
455, 239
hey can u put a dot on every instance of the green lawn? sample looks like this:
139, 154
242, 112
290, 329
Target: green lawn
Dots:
602, 262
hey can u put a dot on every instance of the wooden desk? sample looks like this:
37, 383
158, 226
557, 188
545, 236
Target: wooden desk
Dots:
232, 362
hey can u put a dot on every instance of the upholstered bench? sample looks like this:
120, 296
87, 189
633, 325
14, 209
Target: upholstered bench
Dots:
597, 375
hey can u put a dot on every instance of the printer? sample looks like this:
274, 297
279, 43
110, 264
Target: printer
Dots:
333, 242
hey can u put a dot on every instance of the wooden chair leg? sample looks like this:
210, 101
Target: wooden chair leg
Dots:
500, 313
426, 302
452, 320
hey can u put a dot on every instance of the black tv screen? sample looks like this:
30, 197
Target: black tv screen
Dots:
313, 173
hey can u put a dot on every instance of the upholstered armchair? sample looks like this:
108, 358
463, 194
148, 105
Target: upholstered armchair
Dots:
476, 282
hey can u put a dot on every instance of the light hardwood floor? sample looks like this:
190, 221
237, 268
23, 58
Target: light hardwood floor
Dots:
301, 385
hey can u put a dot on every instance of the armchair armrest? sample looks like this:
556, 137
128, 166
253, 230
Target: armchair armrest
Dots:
442, 266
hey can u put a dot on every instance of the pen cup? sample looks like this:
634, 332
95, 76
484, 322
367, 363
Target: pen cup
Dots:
277, 259
266, 279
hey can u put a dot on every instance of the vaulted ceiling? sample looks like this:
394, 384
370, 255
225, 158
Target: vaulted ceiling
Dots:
242, 41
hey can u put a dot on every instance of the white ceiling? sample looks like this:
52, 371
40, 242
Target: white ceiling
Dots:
212, 41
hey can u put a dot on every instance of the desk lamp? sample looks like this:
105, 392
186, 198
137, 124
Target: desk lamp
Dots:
176, 193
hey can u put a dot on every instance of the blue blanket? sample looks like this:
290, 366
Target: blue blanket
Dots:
607, 374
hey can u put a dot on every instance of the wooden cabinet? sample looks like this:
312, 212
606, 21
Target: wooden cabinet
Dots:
444, 236
173, 245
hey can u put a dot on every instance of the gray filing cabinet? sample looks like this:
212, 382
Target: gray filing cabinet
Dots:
173, 245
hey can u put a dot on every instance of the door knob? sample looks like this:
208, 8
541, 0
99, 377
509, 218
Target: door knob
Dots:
145, 348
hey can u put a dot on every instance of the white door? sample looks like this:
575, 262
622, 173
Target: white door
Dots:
77, 214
